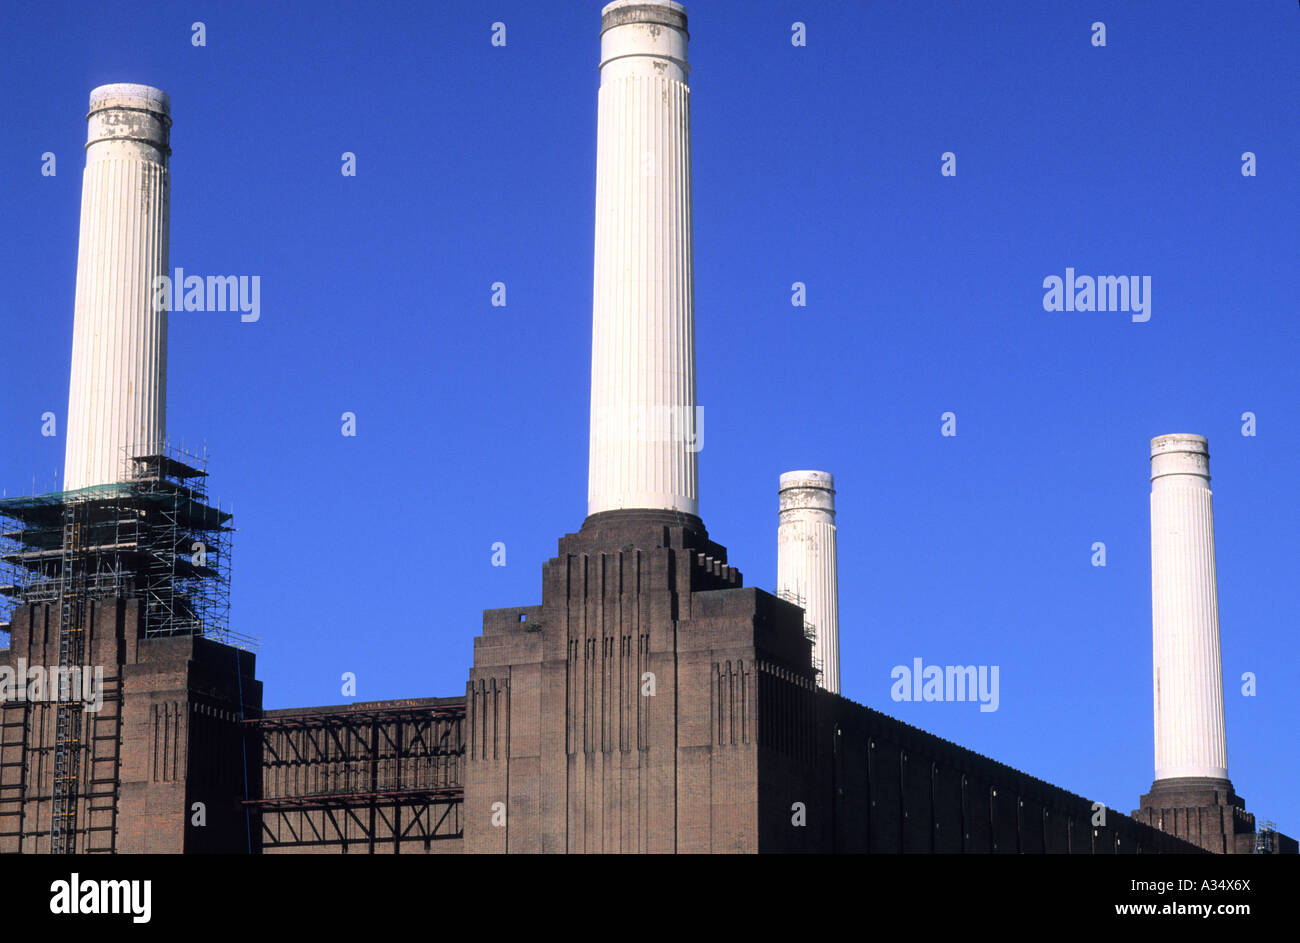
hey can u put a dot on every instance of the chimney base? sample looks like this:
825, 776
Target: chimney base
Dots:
642, 529
1203, 810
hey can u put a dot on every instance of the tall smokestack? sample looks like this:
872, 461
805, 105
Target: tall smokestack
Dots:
806, 567
643, 429
1188, 674
117, 400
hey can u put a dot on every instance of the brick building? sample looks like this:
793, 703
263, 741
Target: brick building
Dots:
651, 703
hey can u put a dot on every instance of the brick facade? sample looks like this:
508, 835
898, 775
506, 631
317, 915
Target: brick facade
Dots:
168, 735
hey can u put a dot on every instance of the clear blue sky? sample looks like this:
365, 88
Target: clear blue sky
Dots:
819, 164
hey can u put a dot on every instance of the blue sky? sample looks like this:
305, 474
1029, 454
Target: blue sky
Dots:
819, 164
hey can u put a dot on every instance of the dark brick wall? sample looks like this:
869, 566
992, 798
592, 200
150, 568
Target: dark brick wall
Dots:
183, 743
168, 736
882, 786
27, 731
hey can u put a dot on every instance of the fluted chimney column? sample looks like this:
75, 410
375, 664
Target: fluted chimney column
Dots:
117, 400
1190, 740
806, 565
644, 432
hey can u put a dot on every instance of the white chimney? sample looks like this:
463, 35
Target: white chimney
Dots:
117, 401
1188, 674
806, 567
644, 435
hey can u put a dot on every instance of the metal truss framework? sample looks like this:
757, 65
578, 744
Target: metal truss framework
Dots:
374, 778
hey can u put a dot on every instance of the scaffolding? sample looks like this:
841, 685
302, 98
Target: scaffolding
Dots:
1264, 838
154, 538
809, 630
72, 644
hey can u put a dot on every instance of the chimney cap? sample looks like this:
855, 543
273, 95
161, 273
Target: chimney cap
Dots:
128, 94
657, 12
1180, 442
807, 479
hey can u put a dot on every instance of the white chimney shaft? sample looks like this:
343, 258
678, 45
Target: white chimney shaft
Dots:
644, 434
117, 401
1188, 676
806, 566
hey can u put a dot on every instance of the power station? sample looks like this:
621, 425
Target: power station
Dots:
650, 702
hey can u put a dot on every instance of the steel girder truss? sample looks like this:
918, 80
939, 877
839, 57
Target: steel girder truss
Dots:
367, 779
